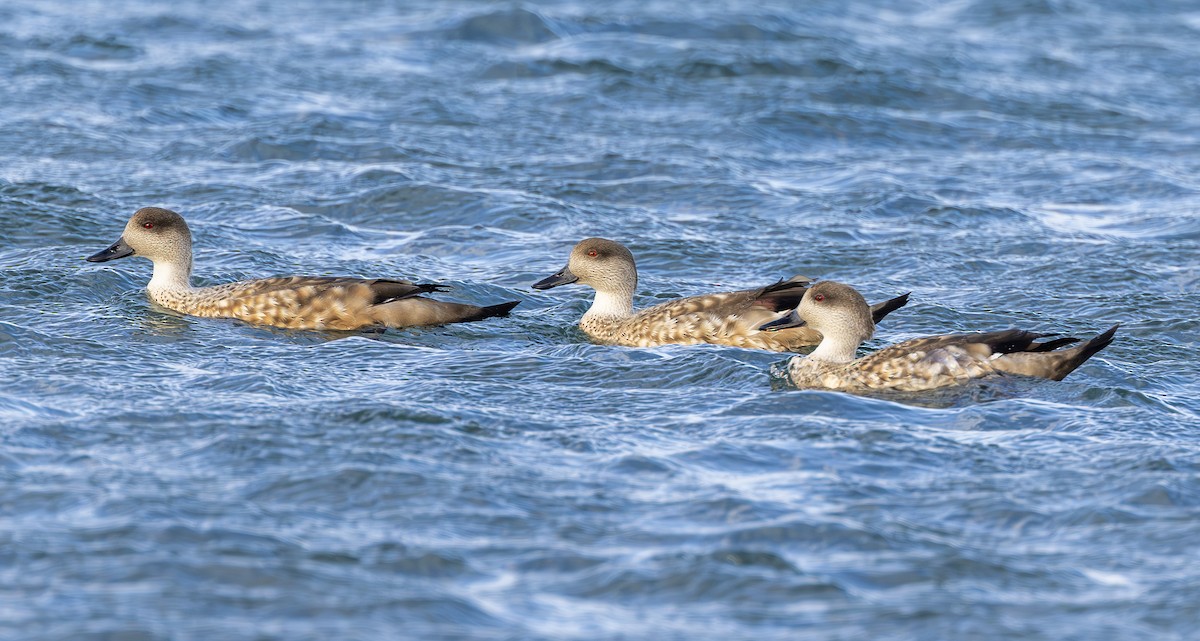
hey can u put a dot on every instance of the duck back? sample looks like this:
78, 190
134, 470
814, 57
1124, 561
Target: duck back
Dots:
331, 303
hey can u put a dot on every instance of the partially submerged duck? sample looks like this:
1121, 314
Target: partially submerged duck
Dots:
726, 318
295, 302
842, 316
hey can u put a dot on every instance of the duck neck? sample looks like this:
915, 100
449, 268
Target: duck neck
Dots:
836, 349
611, 304
171, 275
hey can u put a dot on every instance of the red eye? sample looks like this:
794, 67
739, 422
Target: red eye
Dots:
148, 225
818, 297
592, 253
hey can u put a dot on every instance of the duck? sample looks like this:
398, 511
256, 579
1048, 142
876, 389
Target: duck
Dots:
292, 302
724, 318
843, 317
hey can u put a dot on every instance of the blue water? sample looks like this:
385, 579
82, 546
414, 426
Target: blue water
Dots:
1012, 163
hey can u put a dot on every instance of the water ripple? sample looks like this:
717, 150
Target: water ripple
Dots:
1010, 163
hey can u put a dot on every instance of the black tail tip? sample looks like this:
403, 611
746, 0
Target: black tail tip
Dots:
881, 310
1088, 350
1102, 340
499, 309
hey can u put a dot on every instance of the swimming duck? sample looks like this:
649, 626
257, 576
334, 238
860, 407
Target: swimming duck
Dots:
296, 302
727, 318
841, 314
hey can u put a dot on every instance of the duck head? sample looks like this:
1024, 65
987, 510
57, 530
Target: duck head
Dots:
154, 233
605, 265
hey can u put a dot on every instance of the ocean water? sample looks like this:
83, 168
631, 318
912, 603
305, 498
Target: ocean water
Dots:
1030, 163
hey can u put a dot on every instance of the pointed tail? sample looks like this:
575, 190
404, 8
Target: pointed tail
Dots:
879, 310
1076, 356
488, 311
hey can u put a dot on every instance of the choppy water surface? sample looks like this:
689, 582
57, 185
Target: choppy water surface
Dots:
1010, 163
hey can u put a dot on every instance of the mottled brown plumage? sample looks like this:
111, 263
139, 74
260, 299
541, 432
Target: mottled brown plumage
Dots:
295, 302
727, 318
841, 315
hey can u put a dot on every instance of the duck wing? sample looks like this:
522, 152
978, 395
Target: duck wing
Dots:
377, 290
937, 361
744, 306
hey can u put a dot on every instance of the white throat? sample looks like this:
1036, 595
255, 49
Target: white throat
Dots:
171, 275
611, 305
835, 349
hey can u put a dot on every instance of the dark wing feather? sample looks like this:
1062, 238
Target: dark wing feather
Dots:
1000, 342
783, 295
1052, 345
1009, 340
386, 291
383, 290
